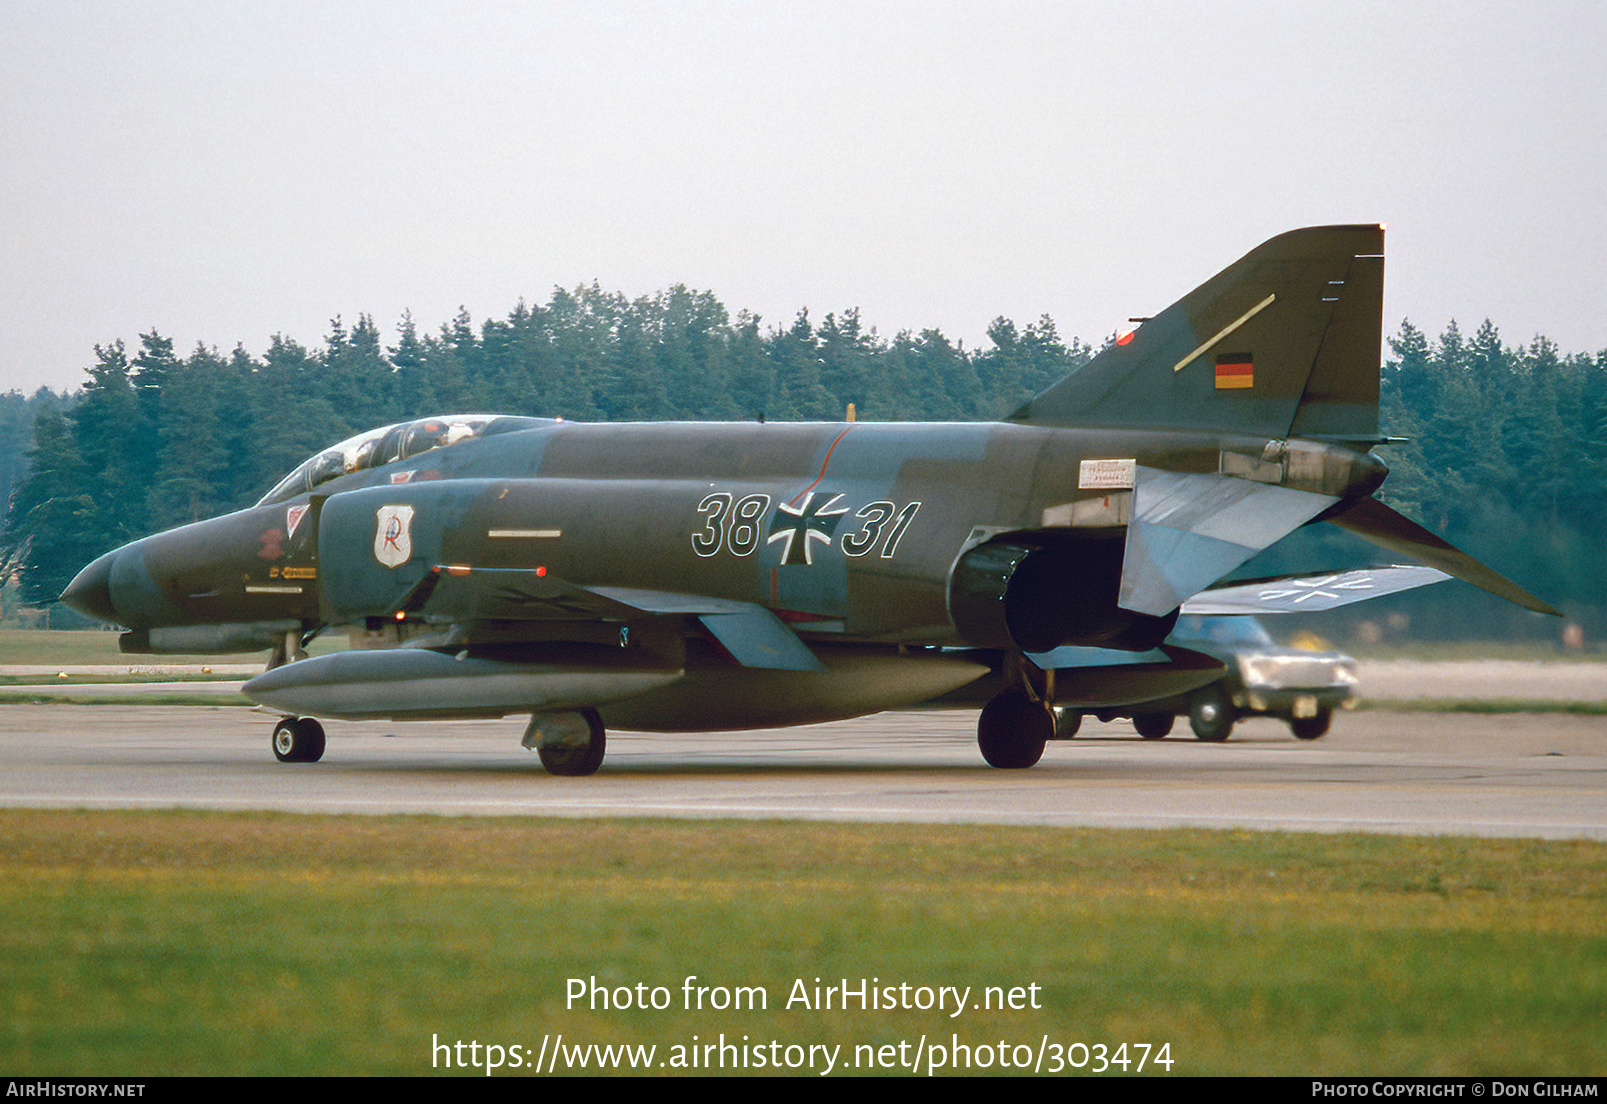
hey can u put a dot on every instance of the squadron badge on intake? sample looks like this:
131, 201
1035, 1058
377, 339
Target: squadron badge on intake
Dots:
393, 541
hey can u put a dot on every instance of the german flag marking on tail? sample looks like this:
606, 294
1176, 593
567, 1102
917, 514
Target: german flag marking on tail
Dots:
1233, 371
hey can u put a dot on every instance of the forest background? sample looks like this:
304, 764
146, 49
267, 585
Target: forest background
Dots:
1506, 457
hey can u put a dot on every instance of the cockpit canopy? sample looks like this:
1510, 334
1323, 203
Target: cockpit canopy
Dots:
391, 443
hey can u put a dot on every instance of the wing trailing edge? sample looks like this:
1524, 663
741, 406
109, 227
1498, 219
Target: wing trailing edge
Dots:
1391, 530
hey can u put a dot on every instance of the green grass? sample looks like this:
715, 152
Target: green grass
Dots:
72, 648
44, 697
142, 944
68, 648
63, 679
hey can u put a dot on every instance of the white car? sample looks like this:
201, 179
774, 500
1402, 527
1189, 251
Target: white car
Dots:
1262, 680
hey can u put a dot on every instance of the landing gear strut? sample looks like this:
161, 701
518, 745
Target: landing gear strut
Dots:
287, 649
298, 740
570, 744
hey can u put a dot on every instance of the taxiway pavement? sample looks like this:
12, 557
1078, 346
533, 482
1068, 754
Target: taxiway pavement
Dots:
1516, 775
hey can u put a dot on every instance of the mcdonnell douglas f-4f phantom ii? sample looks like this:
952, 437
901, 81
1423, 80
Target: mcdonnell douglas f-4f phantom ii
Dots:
717, 576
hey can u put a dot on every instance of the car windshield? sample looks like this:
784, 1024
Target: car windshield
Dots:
1238, 631
391, 443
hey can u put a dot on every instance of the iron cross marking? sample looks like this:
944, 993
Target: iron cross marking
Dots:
1301, 590
799, 527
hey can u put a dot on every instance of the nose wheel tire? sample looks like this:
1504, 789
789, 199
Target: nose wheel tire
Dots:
298, 740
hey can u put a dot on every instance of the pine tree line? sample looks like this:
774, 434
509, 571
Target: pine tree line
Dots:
154, 440
1507, 459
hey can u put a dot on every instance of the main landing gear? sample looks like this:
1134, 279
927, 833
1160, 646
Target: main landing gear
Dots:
298, 740
570, 744
1013, 729
1211, 714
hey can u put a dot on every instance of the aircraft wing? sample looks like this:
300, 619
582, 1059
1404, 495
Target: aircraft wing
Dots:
1307, 593
462, 596
527, 641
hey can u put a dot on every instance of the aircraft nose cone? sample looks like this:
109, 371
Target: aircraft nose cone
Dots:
90, 592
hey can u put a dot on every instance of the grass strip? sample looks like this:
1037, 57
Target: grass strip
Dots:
138, 678
98, 647
19, 697
148, 943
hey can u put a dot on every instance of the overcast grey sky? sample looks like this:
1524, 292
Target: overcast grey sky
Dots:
221, 171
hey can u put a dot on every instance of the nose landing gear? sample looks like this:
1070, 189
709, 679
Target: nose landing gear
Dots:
298, 740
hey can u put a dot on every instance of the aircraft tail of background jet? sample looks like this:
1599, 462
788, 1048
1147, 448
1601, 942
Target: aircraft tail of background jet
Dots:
1283, 342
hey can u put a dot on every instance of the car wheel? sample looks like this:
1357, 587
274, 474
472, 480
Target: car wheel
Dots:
1309, 728
1153, 726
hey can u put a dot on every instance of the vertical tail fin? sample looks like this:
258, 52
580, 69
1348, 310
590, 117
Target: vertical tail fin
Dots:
1284, 341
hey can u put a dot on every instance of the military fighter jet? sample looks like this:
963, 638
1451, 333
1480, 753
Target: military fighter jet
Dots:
726, 576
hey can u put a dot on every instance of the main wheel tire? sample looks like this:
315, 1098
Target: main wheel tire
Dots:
1013, 729
298, 740
578, 760
1153, 726
1309, 728
1067, 722
1211, 715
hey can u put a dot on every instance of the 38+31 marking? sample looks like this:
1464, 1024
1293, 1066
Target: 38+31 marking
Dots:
733, 524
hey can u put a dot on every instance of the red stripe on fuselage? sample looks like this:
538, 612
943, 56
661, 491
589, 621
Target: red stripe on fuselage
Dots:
823, 464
